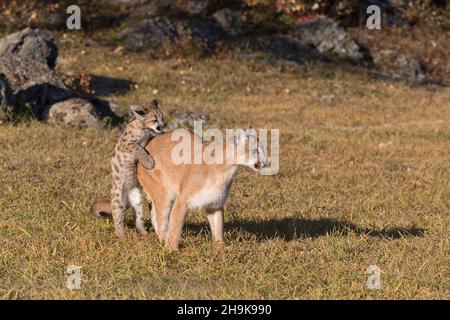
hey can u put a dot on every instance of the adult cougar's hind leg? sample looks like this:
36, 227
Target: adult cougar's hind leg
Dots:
160, 215
176, 223
161, 204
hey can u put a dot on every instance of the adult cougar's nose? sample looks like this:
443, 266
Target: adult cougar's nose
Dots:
261, 164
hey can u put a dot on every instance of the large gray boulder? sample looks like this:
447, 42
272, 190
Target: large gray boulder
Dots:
149, 34
189, 7
7, 101
200, 34
34, 85
393, 65
31, 43
286, 47
76, 112
229, 21
162, 33
29, 85
150, 9
154, 8
326, 35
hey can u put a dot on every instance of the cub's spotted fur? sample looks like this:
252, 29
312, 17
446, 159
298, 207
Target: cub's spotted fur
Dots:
125, 192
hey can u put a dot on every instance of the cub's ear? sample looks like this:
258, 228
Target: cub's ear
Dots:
138, 111
153, 104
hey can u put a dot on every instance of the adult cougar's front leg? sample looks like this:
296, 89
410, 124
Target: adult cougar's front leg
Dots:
215, 219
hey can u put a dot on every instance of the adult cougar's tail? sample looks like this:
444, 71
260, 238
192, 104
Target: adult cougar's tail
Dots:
102, 210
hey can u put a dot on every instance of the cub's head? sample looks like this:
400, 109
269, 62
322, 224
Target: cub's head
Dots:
150, 116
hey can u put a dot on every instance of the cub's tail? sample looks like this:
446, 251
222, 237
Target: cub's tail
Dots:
102, 210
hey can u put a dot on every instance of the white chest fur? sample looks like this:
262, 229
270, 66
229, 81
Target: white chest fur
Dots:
213, 193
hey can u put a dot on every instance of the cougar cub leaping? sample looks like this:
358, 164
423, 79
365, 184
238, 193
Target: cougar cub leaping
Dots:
125, 191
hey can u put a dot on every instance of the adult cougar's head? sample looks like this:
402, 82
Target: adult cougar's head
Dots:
249, 151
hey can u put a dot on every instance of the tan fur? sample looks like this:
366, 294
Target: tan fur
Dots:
173, 189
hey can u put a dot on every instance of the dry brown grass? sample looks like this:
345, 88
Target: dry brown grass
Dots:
364, 180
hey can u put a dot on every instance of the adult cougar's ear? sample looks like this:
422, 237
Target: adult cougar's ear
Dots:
250, 131
239, 136
138, 112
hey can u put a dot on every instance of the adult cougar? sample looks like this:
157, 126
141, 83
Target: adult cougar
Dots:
175, 188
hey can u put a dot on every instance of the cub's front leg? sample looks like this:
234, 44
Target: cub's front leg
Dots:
145, 158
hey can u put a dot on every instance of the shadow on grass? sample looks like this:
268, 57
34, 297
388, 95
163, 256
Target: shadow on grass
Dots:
102, 85
290, 229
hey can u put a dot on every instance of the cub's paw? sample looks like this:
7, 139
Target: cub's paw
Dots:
121, 233
148, 163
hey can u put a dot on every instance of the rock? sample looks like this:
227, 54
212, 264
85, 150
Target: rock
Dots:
396, 66
179, 8
286, 48
122, 2
23, 72
328, 37
150, 10
162, 33
191, 7
110, 112
7, 102
229, 21
76, 112
199, 34
37, 88
33, 83
149, 34
154, 7
115, 109
185, 120
31, 43
29, 85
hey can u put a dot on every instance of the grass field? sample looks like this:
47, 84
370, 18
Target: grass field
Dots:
364, 180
